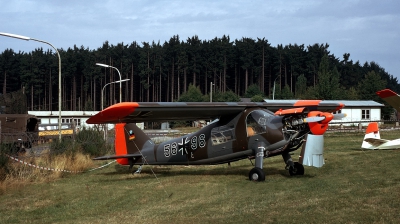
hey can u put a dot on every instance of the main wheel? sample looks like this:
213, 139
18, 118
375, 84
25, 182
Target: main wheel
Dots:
256, 174
297, 169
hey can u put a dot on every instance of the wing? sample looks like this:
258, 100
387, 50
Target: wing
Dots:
132, 112
318, 105
392, 98
375, 141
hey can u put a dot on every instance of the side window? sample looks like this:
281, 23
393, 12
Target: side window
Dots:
222, 134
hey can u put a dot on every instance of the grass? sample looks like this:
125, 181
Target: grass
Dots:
354, 186
18, 175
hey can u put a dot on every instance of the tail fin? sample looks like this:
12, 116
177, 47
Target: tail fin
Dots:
129, 139
371, 132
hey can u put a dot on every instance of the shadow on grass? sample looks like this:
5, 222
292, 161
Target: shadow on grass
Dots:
197, 170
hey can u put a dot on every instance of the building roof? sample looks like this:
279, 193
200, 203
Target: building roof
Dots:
347, 103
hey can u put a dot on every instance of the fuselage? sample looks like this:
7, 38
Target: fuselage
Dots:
222, 141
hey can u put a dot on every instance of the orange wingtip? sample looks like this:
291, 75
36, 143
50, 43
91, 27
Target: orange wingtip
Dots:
372, 127
302, 103
386, 93
113, 113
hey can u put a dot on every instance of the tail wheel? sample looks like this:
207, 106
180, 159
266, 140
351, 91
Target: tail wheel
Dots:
256, 174
297, 169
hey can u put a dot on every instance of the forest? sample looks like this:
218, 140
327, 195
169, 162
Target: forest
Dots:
164, 72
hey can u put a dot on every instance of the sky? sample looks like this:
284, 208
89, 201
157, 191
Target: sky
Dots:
368, 30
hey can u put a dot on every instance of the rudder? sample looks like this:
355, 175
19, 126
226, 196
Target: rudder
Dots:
371, 132
129, 139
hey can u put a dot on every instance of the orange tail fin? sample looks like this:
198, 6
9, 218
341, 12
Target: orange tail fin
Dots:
129, 139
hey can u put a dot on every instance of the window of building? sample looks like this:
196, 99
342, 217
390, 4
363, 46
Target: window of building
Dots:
337, 112
365, 114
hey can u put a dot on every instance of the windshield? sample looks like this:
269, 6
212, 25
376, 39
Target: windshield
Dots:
256, 122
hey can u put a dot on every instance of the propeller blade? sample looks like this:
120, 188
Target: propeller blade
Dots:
339, 116
313, 119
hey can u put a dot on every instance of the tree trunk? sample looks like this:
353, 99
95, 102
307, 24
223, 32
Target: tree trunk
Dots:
50, 93
184, 81
31, 97
224, 76
148, 76
5, 83
246, 80
172, 80
132, 99
263, 71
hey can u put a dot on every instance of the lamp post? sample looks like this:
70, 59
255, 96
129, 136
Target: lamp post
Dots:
211, 88
273, 92
105, 127
120, 87
124, 80
59, 72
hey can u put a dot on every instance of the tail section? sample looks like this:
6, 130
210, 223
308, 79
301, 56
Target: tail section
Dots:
371, 134
129, 139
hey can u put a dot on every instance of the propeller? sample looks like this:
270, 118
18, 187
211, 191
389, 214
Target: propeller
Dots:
339, 116
321, 118
313, 119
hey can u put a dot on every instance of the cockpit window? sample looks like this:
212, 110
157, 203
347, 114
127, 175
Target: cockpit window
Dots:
256, 122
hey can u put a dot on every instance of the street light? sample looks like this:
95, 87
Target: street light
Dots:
211, 88
124, 80
59, 72
273, 92
120, 87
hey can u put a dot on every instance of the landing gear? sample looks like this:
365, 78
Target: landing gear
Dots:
139, 169
296, 169
256, 174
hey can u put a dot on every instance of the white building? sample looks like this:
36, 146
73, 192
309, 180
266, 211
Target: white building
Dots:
79, 117
364, 111
357, 111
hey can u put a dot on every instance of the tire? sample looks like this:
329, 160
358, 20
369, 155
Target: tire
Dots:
297, 169
256, 174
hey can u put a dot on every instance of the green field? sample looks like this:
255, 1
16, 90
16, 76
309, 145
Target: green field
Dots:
354, 186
